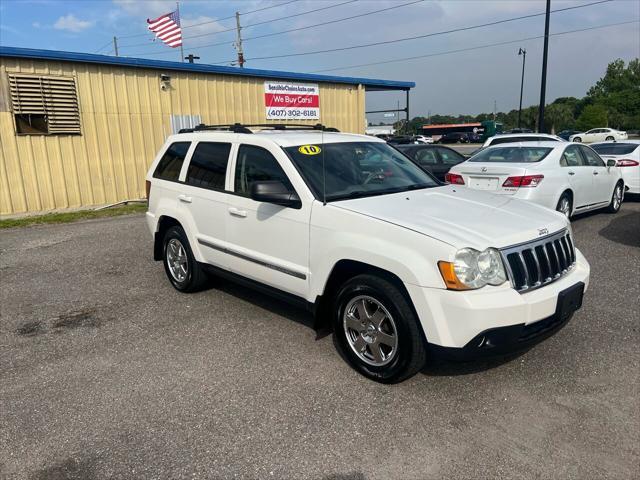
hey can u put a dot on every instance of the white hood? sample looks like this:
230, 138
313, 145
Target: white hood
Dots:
461, 217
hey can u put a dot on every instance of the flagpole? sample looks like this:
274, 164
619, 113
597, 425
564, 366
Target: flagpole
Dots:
182, 41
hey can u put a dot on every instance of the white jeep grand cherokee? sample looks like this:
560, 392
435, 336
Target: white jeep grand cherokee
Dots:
396, 263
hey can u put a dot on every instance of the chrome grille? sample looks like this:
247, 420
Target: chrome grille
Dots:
535, 264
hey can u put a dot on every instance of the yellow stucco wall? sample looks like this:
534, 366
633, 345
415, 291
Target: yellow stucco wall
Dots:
125, 118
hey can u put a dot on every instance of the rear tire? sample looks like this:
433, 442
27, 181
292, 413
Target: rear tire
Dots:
609, 139
377, 331
182, 269
565, 205
617, 197
577, 140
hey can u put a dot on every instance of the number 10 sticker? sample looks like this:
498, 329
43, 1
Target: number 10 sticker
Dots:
309, 150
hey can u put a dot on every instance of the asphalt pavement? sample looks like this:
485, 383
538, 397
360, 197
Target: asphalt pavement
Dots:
107, 372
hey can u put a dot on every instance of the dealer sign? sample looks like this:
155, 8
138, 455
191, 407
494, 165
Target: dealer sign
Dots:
286, 101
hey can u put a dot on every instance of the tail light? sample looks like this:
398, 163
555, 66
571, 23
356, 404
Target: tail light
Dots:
523, 181
454, 179
626, 162
148, 188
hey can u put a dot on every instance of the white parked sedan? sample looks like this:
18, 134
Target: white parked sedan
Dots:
627, 154
598, 135
563, 176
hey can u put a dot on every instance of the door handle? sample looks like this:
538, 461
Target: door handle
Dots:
185, 199
237, 213
572, 173
595, 173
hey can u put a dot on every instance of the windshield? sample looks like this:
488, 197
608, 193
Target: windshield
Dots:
357, 169
511, 154
615, 148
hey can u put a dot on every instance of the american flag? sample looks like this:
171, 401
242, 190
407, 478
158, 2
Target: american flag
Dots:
167, 28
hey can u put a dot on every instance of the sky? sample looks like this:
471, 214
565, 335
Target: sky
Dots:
448, 81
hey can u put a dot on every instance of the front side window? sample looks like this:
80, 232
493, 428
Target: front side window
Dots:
592, 158
208, 166
511, 154
171, 162
255, 164
337, 171
449, 157
571, 157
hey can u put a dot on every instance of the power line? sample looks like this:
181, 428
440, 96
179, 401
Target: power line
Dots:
397, 40
219, 19
110, 42
307, 27
449, 52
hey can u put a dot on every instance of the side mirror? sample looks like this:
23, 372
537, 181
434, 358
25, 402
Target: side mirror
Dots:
611, 163
274, 191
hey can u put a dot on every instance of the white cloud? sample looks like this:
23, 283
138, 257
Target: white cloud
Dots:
36, 25
72, 24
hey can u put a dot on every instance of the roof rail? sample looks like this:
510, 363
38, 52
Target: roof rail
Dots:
242, 128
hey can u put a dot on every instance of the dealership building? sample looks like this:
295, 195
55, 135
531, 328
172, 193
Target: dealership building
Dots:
80, 130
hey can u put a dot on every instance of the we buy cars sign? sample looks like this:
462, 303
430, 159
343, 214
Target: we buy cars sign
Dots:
288, 101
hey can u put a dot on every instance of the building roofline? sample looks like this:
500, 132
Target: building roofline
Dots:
56, 55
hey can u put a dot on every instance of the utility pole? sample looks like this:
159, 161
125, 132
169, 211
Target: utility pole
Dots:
494, 110
191, 57
522, 52
115, 45
238, 43
180, 21
543, 83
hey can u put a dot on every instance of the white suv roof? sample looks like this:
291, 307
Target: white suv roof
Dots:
283, 138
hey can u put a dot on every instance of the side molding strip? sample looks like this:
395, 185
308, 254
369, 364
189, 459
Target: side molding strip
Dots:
277, 268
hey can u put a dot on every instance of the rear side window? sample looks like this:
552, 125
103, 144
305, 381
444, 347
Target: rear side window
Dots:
170, 164
571, 157
426, 156
449, 157
208, 166
256, 164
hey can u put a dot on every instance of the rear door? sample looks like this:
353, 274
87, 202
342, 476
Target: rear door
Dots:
447, 159
578, 175
428, 160
266, 242
203, 200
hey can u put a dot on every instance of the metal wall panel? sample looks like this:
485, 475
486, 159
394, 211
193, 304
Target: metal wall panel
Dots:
125, 118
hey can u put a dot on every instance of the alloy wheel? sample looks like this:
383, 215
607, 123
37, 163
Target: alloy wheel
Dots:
177, 260
370, 330
617, 197
565, 207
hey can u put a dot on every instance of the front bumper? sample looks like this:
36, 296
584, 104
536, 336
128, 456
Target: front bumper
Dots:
456, 319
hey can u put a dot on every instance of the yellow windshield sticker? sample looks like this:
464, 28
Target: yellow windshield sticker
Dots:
309, 150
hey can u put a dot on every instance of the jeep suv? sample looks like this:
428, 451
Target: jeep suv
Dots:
396, 263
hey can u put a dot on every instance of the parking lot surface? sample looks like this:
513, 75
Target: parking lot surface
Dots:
107, 372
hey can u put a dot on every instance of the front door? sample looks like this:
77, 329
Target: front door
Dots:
267, 243
603, 178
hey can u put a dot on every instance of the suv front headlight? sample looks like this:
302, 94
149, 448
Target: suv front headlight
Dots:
473, 269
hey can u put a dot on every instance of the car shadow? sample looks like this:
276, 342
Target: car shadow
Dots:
623, 230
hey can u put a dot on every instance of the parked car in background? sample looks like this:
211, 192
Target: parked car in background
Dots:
598, 135
397, 264
474, 137
435, 159
519, 130
565, 134
563, 176
520, 137
423, 138
454, 137
627, 154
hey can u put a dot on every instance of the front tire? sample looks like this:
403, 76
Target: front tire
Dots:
617, 198
376, 330
183, 271
565, 205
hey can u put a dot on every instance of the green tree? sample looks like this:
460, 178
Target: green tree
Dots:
592, 116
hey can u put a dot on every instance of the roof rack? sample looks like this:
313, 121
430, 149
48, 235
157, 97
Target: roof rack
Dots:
242, 128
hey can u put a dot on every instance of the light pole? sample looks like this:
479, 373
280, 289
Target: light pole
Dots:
522, 52
543, 83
